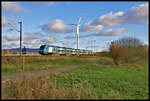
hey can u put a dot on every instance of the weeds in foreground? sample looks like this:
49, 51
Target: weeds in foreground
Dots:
38, 88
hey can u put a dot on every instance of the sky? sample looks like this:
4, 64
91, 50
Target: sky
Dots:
48, 23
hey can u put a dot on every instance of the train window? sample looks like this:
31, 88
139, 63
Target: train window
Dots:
54, 49
42, 47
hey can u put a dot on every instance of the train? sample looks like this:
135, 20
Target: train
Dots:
63, 51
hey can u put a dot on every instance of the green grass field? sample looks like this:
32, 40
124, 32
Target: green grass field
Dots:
122, 82
99, 78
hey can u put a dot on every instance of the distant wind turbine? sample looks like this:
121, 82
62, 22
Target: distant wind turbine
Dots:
78, 24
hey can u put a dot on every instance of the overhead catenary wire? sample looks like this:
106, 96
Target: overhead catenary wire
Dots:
20, 33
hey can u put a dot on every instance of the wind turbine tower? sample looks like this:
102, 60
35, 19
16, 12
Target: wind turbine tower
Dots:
78, 24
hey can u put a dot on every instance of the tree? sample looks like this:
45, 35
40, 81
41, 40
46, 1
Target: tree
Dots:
128, 42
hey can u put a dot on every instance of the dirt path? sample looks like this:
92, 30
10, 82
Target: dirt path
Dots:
18, 76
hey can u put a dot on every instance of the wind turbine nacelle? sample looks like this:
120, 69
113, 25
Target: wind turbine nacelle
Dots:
78, 24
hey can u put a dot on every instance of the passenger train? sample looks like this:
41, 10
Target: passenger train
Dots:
50, 50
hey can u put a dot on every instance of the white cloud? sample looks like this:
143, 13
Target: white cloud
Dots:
70, 37
111, 32
32, 39
138, 14
10, 37
66, 43
32, 42
12, 7
111, 19
3, 41
49, 40
88, 27
56, 26
80, 36
32, 35
4, 21
108, 32
9, 44
35, 39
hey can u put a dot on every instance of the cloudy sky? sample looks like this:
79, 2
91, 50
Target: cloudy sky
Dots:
48, 23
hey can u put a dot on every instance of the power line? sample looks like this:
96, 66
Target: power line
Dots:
20, 34
13, 27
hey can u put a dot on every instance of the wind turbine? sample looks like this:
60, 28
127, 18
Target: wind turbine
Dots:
78, 24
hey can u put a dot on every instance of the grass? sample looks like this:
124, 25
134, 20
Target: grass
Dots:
19, 55
38, 88
14, 64
99, 78
123, 82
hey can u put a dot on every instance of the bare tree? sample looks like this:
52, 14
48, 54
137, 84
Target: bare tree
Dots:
128, 41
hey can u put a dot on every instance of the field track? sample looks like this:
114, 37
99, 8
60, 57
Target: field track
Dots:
19, 76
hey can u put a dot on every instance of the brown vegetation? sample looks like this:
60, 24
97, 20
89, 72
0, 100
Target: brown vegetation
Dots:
118, 53
38, 88
128, 50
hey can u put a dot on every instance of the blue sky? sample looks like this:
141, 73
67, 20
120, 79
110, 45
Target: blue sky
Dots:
47, 23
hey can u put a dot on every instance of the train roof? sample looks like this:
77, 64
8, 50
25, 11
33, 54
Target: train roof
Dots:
64, 47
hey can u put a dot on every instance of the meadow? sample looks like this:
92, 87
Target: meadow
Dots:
98, 78
13, 64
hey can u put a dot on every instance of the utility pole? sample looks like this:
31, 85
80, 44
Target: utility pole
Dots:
20, 38
91, 46
94, 46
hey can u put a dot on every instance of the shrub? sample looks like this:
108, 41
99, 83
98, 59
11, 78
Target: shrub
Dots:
118, 53
128, 50
135, 54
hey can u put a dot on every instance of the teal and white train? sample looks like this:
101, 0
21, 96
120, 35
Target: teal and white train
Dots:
50, 49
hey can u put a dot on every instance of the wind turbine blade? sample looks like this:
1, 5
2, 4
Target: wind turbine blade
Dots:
72, 24
79, 20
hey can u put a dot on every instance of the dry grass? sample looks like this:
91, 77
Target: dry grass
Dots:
111, 96
38, 88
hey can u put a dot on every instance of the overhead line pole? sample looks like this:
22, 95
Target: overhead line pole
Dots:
20, 38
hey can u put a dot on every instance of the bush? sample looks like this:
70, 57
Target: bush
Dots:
136, 54
128, 50
118, 53
127, 55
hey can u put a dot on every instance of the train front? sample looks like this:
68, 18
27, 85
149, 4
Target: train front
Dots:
41, 51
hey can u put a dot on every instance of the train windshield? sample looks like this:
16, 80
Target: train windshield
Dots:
42, 47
